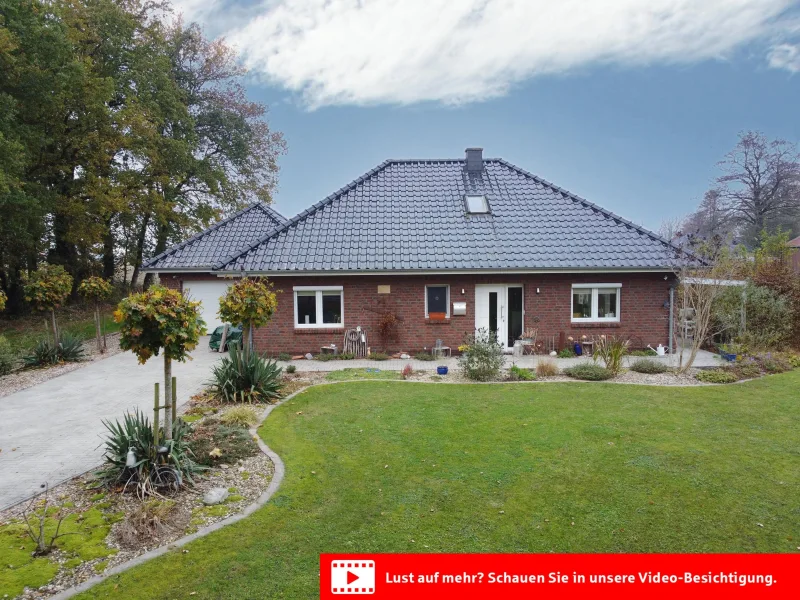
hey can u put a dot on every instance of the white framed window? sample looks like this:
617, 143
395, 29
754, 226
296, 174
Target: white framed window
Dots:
595, 302
318, 306
437, 300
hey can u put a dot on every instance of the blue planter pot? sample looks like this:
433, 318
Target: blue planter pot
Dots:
441, 370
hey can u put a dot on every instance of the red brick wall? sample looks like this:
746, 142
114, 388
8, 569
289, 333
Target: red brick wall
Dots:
643, 316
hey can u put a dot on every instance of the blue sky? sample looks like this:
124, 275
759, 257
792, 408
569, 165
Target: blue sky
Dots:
634, 119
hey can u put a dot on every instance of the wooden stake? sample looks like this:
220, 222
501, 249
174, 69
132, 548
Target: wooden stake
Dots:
155, 417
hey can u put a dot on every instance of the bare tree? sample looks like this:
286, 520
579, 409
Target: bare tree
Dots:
703, 272
670, 227
760, 184
710, 219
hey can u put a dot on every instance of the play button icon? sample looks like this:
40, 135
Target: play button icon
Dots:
354, 576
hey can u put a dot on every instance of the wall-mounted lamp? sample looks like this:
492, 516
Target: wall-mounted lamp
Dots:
537, 290
463, 291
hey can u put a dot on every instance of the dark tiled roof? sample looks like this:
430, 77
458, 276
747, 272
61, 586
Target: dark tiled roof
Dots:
410, 215
227, 237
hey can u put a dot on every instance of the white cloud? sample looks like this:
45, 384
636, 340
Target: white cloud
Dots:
406, 51
785, 56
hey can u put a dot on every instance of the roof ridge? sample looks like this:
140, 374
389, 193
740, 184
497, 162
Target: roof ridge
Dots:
589, 204
271, 211
197, 236
302, 215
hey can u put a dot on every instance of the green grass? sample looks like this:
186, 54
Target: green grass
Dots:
357, 374
24, 332
389, 467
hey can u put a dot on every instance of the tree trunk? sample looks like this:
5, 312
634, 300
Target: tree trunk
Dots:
161, 245
139, 249
167, 398
98, 330
56, 337
108, 250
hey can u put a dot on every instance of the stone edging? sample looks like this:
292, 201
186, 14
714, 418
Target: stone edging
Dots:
274, 484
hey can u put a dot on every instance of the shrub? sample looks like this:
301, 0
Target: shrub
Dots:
407, 372
589, 372
546, 368
716, 376
347, 356
284, 357
214, 442
291, 368
240, 416
747, 370
610, 349
794, 360
244, 376
644, 365
516, 373
424, 356
768, 316
566, 353
773, 364
69, 349
3, 300
327, 356
378, 356
153, 474
388, 324
482, 358
644, 352
7, 357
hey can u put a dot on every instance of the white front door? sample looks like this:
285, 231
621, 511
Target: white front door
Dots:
499, 310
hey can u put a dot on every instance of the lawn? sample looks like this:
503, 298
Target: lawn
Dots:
24, 332
407, 467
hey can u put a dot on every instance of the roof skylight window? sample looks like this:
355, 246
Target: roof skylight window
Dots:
477, 204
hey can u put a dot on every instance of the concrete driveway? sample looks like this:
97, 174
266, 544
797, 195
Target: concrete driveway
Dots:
54, 431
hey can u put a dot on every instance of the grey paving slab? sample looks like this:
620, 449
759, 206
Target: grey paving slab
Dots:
53, 431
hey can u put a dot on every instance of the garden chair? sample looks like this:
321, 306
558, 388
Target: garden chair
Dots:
528, 339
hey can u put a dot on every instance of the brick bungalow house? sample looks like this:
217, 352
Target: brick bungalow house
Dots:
447, 246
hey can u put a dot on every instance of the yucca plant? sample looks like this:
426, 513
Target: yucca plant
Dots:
244, 376
154, 472
68, 349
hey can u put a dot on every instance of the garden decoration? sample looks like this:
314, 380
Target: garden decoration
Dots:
97, 289
47, 288
156, 320
251, 302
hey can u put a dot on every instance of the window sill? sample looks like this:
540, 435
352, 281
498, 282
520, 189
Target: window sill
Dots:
595, 324
312, 330
429, 321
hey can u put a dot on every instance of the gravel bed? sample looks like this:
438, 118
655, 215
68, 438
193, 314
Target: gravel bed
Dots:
25, 378
250, 477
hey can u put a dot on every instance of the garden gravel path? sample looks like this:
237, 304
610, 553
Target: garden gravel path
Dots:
53, 431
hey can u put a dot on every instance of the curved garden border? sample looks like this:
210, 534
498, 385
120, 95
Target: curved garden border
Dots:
274, 484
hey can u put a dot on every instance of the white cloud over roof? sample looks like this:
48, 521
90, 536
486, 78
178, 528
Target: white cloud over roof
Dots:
408, 51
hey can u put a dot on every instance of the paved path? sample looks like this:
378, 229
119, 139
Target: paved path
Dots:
704, 359
56, 427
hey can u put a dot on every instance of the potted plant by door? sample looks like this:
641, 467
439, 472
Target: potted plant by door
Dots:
441, 370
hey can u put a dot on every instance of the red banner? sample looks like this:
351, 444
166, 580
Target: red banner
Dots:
509, 576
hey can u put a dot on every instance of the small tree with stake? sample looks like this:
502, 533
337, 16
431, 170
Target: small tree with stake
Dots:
249, 301
160, 319
96, 289
47, 288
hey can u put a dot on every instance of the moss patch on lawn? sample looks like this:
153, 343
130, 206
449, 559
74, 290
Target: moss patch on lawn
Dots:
85, 540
